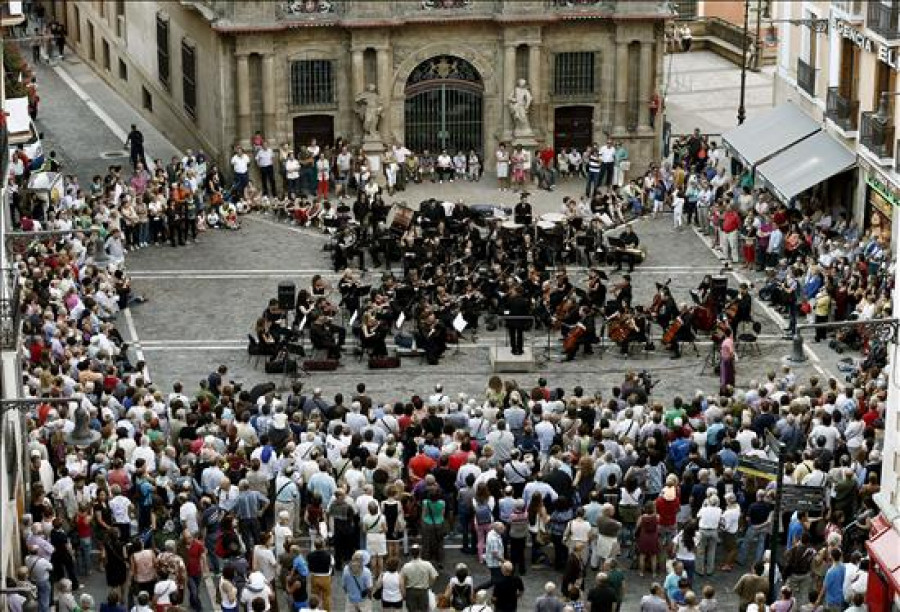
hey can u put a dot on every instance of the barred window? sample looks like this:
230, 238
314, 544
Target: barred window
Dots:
574, 73
189, 77
686, 10
163, 62
312, 83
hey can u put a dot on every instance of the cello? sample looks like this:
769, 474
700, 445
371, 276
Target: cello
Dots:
570, 344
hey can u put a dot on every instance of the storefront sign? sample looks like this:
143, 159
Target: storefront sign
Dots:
799, 497
883, 190
886, 54
756, 466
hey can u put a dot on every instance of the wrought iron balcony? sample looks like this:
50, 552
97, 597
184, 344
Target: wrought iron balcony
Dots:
877, 133
806, 77
9, 311
884, 19
842, 111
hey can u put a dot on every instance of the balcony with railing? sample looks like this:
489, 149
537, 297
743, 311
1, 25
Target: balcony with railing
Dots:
841, 111
806, 77
884, 19
877, 133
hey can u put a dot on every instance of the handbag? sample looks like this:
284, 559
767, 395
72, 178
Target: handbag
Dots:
542, 537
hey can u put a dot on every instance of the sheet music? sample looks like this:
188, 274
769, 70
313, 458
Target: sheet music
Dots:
459, 323
400, 320
353, 318
302, 324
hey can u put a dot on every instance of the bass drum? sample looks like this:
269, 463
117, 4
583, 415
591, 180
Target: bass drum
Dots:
703, 317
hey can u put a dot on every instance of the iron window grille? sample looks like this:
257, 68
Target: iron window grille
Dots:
574, 74
312, 83
189, 78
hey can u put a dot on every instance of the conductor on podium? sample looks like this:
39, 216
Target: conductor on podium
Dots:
517, 305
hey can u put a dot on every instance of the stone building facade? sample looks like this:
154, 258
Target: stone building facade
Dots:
212, 73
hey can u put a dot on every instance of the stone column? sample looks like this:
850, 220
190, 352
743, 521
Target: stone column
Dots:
534, 84
358, 78
620, 101
647, 85
269, 88
509, 83
242, 84
384, 69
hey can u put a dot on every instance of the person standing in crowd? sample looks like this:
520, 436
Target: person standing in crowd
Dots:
265, 161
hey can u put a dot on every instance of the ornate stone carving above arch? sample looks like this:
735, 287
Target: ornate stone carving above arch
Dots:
483, 63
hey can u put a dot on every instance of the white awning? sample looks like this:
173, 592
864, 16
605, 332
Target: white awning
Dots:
758, 139
804, 165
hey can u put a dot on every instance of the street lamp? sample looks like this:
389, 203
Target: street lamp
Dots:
742, 111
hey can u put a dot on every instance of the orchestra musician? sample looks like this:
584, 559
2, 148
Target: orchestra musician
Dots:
322, 337
431, 338
744, 307
522, 212
638, 327
623, 292
596, 290
668, 308
579, 331
517, 305
372, 334
685, 332
630, 240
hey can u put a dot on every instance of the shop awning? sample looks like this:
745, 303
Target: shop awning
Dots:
758, 139
807, 163
884, 550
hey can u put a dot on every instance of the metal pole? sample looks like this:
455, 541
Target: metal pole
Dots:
776, 527
742, 112
757, 43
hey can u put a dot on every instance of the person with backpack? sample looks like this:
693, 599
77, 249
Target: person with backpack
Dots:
460, 591
483, 505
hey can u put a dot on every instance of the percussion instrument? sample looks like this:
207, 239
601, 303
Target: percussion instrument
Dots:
548, 226
553, 217
674, 327
511, 226
400, 217
570, 344
636, 255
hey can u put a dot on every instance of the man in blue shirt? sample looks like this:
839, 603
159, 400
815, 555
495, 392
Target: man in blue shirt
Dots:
671, 583
356, 581
832, 593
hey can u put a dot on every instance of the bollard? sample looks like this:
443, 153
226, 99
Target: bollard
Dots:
797, 353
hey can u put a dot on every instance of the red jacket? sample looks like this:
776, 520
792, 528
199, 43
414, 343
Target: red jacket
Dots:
731, 221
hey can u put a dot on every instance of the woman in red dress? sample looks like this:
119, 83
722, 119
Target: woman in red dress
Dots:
647, 535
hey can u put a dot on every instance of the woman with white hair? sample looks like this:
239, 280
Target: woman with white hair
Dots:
480, 604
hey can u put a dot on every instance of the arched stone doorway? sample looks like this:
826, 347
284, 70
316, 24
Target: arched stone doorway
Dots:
444, 106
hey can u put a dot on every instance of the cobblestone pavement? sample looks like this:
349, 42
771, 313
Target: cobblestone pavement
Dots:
205, 297
703, 91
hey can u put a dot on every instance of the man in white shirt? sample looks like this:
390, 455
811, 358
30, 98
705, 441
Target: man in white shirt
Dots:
400, 154
265, 159
502, 441
708, 518
607, 163
240, 165
121, 507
